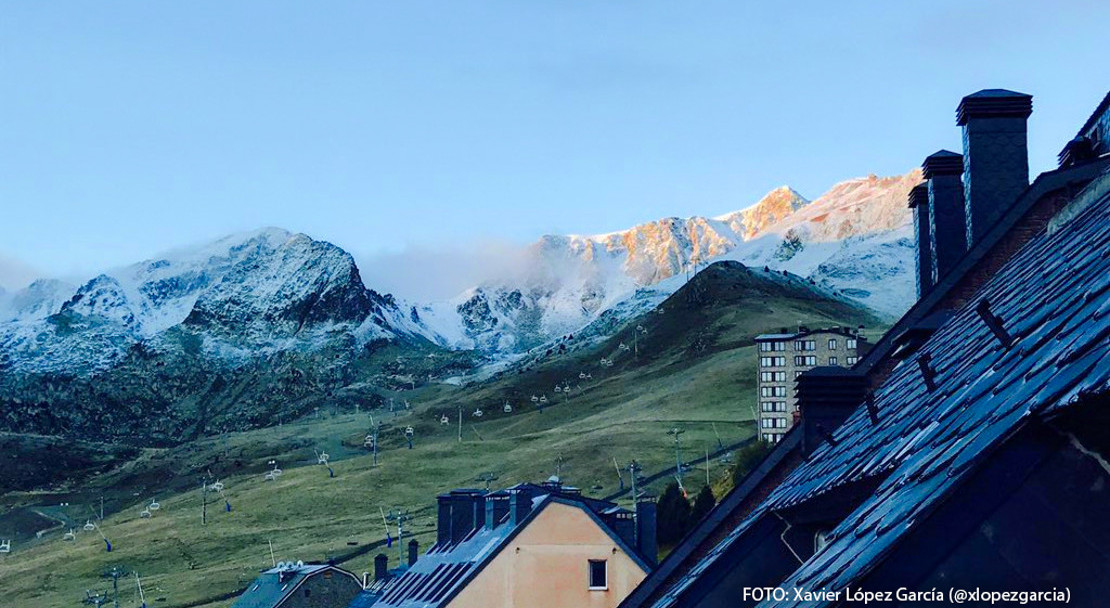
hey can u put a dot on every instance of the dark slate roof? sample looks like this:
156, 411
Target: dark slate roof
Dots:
439, 575
840, 331
1103, 106
268, 590
1054, 300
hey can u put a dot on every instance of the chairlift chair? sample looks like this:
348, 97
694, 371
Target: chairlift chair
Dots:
144, 514
558, 389
154, 505
89, 526
444, 420
508, 409
535, 398
543, 398
218, 486
6, 546
478, 412
581, 375
71, 535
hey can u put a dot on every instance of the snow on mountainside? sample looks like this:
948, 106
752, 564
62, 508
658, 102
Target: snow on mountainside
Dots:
271, 290
242, 295
855, 239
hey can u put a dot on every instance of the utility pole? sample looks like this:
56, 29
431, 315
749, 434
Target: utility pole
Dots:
204, 501
634, 470
376, 428
677, 458
400, 517
460, 423
707, 464
488, 478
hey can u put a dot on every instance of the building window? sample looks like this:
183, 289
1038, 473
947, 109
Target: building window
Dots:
764, 347
780, 346
851, 360
780, 406
766, 423
811, 344
780, 391
850, 344
832, 360
832, 343
805, 360
597, 575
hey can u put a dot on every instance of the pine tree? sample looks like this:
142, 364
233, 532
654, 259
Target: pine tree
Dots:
673, 515
703, 504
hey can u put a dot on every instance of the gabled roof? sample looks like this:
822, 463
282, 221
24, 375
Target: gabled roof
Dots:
271, 587
438, 576
1053, 299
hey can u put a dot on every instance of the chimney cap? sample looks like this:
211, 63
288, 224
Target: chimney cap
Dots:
919, 195
942, 162
994, 103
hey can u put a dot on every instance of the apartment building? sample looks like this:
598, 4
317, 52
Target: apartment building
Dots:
784, 356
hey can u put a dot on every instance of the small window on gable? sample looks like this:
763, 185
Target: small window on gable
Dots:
598, 579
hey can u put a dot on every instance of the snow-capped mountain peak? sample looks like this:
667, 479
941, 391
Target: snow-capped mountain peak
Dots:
851, 239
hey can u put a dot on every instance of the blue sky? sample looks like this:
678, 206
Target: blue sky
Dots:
440, 127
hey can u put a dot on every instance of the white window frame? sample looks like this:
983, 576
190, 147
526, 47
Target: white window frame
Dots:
590, 574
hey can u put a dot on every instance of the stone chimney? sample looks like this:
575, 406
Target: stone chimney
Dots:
947, 222
381, 567
497, 507
826, 395
520, 504
923, 261
996, 157
414, 551
443, 521
467, 513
